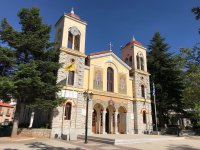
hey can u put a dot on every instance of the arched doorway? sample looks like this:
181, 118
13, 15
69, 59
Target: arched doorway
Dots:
94, 121
121, 120
110, 119
97, 120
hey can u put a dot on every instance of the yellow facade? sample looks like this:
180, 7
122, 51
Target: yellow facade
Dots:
104, 62
119, 105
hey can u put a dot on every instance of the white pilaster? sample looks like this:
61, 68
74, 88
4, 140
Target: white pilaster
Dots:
116, 127
127, 123
104, 122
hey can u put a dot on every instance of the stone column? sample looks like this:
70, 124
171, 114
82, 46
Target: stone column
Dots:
104, 122
126, 114
116, 127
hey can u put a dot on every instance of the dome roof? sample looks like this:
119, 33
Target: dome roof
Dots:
72, 14
133, 42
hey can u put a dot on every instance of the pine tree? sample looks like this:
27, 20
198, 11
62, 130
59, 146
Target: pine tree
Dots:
34, 80
7, 61
189, 59
7, 65
166, 76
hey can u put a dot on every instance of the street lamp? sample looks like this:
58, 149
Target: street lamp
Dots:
87, 96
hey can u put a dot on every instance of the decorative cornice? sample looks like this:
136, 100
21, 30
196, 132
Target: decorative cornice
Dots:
111, 54
140, 71
142, 100
110, 94
72, 88
74, 52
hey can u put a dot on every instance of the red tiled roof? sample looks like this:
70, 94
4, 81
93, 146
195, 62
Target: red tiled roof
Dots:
98, 53
134, 42
73, 15
5, 104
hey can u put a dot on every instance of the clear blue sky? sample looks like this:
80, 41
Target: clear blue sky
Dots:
118, 20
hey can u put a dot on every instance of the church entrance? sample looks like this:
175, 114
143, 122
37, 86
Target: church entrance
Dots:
94, 121
107, 120
97, 119
110, 121
121, 120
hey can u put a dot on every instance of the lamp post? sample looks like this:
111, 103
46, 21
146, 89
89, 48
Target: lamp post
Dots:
87, 96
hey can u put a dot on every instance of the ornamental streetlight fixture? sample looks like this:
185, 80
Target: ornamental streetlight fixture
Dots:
87, 97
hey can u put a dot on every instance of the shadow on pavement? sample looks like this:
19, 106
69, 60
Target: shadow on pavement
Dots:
182, 147
42, 146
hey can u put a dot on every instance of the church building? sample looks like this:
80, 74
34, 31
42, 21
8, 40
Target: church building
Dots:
120, 86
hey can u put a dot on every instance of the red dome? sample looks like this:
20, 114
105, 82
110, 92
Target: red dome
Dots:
73, 15
134, 42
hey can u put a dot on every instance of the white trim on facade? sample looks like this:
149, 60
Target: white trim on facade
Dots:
111, 54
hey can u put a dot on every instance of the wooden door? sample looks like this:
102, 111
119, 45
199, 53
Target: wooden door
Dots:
94, 121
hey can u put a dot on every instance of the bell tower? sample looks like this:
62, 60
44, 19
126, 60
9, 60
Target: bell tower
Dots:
70, 39
134, 55
70, 32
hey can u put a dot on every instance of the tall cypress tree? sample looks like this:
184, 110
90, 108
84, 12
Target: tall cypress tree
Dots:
166, 77
34, 80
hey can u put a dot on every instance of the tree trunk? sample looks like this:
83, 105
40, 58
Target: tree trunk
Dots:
16, 120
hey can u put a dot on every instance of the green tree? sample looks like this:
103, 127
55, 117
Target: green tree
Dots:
34, 81
189, 60
190, 63
196, 12
166, 76
7, 61
7, 65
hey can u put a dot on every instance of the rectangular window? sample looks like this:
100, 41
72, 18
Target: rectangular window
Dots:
77, 42
68, 109
71, 78
110, 79
70, 40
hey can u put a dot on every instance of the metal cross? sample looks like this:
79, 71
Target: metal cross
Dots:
110, 46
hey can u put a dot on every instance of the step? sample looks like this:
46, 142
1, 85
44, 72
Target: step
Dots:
98, 139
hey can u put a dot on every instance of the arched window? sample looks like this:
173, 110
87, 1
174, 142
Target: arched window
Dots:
110, 79
142, 91
126, 61
73, 38
77, 42
68, 109
71, 78
144, 117
70, 40
130, 61
140, 61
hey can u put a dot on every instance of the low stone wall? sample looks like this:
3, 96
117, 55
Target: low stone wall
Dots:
45, 133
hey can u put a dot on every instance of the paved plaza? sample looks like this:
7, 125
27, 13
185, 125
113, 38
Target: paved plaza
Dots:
26, 143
